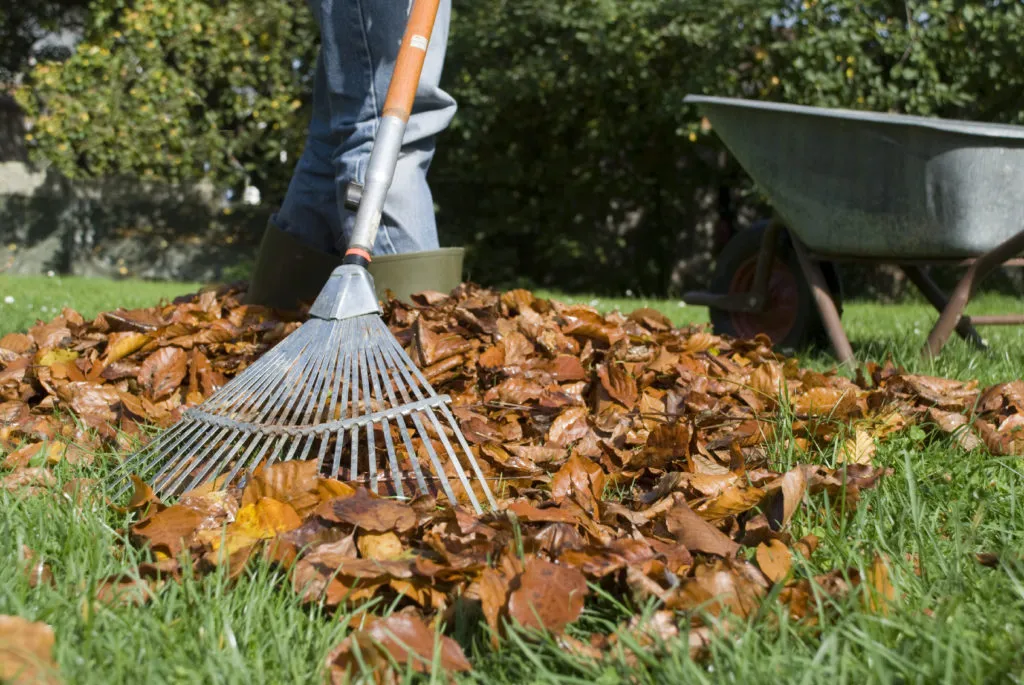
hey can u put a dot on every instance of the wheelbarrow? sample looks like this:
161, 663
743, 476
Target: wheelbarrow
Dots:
850, 186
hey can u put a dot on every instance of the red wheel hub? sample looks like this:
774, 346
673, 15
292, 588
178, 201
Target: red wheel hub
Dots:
781, 306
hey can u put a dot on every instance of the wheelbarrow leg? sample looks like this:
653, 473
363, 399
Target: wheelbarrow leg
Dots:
826, 306
977, 272
933, 293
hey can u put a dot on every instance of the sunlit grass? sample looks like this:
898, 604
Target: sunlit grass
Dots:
956, 622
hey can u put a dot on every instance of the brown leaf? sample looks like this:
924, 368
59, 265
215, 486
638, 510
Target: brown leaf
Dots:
296, 483
400, 638
260, 520
26, 652
789, 493
91, 400
547, 596
53, 334
735, 499
168, 531
834, 403
570, 426
369, 513
774, 560
666, 444
620, 385
880, 593
142, 497
37, 571
163, 371
582, 480
19, 343
696, 534
24, 477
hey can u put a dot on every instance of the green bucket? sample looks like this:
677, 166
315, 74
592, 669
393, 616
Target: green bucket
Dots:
414, 272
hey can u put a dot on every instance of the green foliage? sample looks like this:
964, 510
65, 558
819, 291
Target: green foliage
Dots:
171, 89
572, 161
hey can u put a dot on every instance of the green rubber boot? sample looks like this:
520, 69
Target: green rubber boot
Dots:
289, 272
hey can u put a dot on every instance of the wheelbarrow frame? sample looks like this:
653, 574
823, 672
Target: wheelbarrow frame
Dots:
951, 308
941, 198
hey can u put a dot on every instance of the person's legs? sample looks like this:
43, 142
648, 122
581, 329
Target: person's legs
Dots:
359, 46
310, 207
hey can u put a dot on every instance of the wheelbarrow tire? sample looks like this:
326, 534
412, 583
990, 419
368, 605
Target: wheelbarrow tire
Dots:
791, 318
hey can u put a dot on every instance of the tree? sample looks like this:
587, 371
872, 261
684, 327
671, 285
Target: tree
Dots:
176, 90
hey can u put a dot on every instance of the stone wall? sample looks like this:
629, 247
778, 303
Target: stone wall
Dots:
120, 227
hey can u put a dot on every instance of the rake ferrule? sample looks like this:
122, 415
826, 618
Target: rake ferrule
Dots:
348, 293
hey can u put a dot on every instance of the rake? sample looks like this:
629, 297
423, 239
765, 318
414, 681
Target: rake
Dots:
340, 387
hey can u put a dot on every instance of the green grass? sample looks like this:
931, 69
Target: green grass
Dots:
957, 622
26, 299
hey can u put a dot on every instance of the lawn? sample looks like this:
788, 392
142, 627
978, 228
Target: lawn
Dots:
954, 619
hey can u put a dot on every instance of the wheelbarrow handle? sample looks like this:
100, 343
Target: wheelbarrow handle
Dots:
405, 80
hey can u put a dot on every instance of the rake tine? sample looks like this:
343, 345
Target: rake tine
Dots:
255, 377
241, 464
210, 464
375, 371
306, 408
345, 393
173, 466
403, 390
455, 460
371, 450
469, 455
400, 421
172, 436
432, 454
329, 410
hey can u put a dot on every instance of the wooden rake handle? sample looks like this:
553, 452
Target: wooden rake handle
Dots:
411, 55
387, 145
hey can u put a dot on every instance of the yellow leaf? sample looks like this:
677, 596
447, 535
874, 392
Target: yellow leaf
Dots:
880, 589
380, 546
857, 450
123, 344
261, 520
50, 357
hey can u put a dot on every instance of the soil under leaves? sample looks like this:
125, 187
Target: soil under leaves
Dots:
634, 457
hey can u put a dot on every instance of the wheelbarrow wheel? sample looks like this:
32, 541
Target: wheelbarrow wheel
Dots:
790, 318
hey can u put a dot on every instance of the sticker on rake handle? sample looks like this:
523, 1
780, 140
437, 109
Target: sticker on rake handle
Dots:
419, 42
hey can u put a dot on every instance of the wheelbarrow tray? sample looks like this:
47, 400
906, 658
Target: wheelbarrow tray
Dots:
853, 184
882, 188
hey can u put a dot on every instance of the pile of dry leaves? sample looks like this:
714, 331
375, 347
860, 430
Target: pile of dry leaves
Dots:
636, 452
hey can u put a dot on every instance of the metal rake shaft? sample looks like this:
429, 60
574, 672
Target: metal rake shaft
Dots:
342, 390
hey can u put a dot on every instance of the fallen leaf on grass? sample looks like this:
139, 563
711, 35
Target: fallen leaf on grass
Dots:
774, 560
370, 513
860, 449
37, 571
397, 641
547, 596
163, 371
26, 652
696, 534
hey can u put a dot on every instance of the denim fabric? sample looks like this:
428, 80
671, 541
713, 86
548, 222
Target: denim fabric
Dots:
359, 46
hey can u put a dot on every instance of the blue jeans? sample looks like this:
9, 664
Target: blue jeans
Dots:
359, 41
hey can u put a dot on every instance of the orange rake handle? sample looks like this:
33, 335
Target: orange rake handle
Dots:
387, 145
411, 56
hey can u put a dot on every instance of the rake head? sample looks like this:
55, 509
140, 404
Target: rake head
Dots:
339, 389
